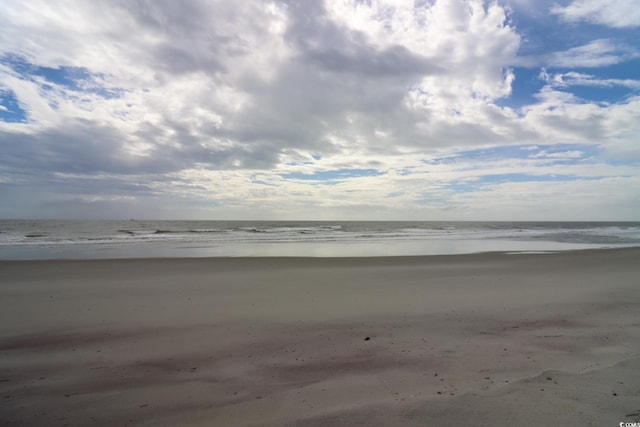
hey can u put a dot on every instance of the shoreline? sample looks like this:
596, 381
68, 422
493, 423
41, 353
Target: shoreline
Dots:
515, 252
486, 338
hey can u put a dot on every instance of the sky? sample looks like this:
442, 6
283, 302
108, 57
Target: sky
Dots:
334, 110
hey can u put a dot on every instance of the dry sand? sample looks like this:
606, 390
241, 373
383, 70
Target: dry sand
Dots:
482, 340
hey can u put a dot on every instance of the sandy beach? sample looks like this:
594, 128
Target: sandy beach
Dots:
486, 340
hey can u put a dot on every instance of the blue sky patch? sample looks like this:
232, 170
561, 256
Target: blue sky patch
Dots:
540, 31
602, 86
63, 76
624, 70
600, 94
523, 89
70, 77
78, 79
10, 110
607, 84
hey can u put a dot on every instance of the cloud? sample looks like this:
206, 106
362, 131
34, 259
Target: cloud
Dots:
597, 53
286, 80
558, 155
213, 108
573, 78
471, 41
618, 14
593, 54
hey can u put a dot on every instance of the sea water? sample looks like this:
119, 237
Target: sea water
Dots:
45, 239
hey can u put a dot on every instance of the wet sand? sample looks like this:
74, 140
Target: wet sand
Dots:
484, 340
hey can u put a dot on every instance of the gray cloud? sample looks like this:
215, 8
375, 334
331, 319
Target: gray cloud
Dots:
336, 82
334, 48
84, 147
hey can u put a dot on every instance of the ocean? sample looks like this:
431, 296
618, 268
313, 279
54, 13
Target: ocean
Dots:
45, 239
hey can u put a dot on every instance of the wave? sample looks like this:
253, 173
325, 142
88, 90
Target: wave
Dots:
143, 232
214, 233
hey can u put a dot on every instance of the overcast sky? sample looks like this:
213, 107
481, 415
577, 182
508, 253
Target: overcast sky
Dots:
425, 109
